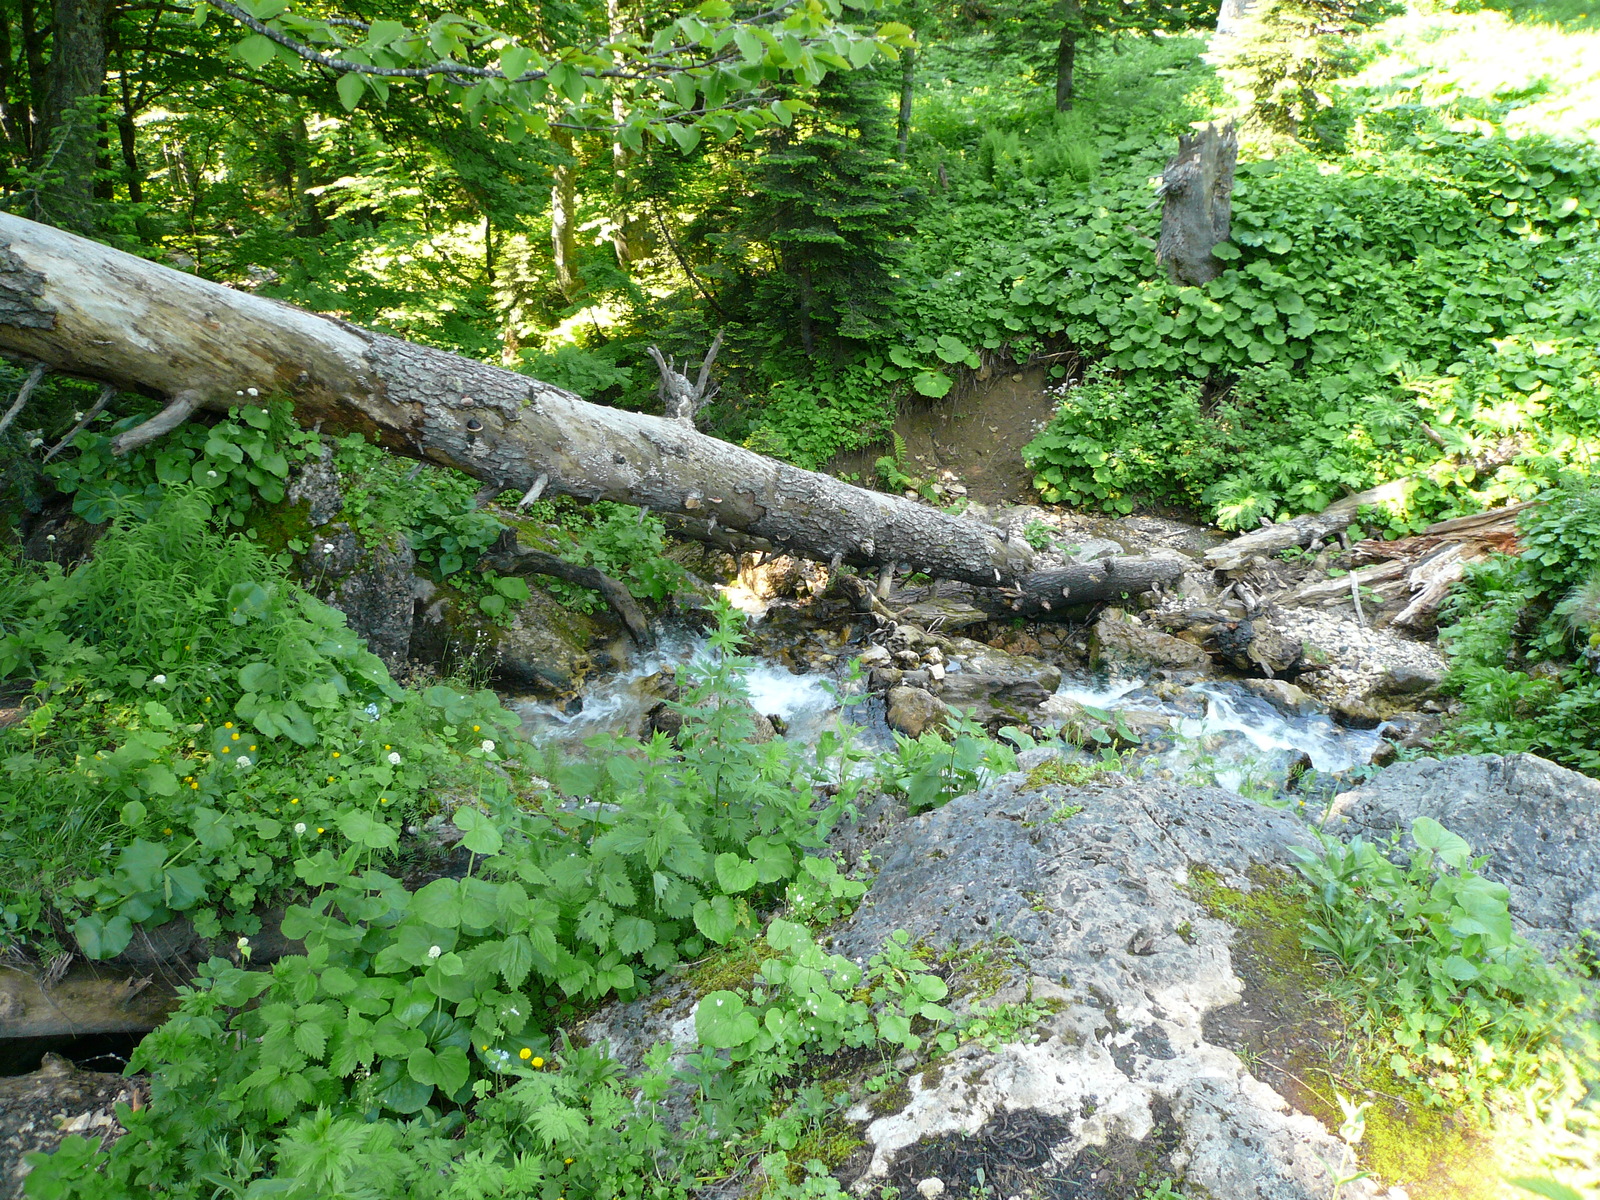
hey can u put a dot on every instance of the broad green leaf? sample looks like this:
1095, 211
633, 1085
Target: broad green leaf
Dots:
350, 87
257, 50
735, 874
722, 1022
99, 938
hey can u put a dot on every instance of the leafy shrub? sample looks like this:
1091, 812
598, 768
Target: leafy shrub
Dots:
1536, 608
411, 1011
196, 721
931, 770
1466, 1008
241, 461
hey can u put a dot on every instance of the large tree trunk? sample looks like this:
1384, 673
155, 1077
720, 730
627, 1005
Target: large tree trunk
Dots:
1197, 204
908, 83
89, 310
1066, 64
68, 146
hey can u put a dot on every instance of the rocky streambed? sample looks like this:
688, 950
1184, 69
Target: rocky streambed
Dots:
1112, 903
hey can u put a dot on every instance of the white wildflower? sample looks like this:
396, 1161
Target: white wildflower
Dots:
49, 537
433, 953
488, 745
394, 758
299, 826
158, 679
243, 945
251, 392
243, 760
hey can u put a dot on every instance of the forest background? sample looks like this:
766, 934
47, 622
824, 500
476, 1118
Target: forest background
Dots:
1410, 297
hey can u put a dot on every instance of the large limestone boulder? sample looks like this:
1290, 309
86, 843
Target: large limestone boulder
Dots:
1539, 823
1001, 688
545, 650
1095, 888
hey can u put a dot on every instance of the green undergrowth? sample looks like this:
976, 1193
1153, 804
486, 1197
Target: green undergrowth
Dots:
1416, 1008
250, 750
1523, 637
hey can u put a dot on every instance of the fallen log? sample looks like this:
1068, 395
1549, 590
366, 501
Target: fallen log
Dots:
94, 312
1300, 531
1044, 595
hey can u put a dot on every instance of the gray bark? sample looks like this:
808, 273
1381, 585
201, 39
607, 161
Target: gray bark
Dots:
89, 310
1044, 595
1301, 531
1197, 204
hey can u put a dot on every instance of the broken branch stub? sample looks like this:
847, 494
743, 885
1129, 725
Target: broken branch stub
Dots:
1196, 192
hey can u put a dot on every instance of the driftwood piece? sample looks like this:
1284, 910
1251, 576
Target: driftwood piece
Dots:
1301, 531
1424, 566
523, 561
1196, 193
1330, 589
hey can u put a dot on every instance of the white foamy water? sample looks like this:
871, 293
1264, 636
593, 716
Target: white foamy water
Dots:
1223, 734
619, 704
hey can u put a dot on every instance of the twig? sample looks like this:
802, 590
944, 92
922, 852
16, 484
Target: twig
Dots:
28, 384
106, 393
535, 491
1355, 598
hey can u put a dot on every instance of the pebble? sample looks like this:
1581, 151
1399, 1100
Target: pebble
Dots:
931, 1187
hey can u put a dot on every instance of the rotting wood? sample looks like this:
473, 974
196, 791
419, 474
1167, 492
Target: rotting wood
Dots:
1300, 531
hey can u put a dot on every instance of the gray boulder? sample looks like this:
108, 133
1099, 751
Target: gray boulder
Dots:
371, 582
1539, 823
1001, 688
1096, 902
914, 710
1119, 641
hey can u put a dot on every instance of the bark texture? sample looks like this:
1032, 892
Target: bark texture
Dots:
89, 310
1197, 203
67, 149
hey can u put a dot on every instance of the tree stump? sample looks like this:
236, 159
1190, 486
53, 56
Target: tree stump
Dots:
1196, 190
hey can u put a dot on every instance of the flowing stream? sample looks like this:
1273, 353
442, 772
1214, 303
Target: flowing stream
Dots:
1210, 732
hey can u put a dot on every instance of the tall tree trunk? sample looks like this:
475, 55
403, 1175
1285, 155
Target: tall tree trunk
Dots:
13, 116
564, 215
1066, 61
908, 79
68, 143
312, 222
127, 140
617, 27
33, 37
